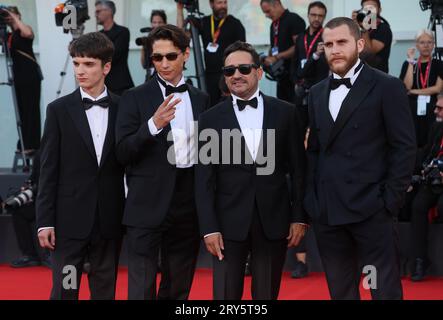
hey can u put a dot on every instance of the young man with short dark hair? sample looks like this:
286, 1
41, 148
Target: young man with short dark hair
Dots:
155, 141
81, 193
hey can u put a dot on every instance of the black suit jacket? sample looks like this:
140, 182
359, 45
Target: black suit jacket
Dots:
150, 176
363, 161
119, 77
73, 188
228, 193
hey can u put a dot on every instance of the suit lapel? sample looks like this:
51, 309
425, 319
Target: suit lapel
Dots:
364, 83
155, 97
268, 117
110, 139
78, 115
196, 102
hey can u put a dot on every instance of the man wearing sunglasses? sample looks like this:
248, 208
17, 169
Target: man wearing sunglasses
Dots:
240, 208
155, 141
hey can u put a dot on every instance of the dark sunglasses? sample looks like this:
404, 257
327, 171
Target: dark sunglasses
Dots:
172, 56
244, 69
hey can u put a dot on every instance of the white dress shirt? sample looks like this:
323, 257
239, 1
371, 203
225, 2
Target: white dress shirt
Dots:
251, 122
251, 125
98, 124
182, 127
338, 95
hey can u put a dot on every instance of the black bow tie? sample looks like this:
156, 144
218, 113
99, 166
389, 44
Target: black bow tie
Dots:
335, 83
103, 102
241, 104
171, 89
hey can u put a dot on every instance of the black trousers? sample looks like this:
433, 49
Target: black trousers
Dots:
179, 240
345, 250
425, 199
212, 86
267, 261
28, 103
67, 265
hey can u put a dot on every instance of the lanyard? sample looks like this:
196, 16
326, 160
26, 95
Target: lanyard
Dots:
424, 80
309, 50
216, 33
440, 153
10, 40
276, 26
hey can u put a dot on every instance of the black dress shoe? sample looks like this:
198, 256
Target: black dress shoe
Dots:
419, 273
300, 270
25, 262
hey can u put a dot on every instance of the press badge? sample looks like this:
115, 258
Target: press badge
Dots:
274, 51
303, 63
422, 103
212, 47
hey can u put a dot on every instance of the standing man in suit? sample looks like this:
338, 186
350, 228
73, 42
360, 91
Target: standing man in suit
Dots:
361, 154
81, 193
119, 79
155, 140
242, 208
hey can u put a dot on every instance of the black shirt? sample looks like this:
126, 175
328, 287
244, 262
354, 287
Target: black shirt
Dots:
436, 70
314, 70
119, 77
25, 70
423, 123
231, 31
383, 34
290, 25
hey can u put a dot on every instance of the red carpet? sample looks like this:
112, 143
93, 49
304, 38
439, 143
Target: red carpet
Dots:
35, 284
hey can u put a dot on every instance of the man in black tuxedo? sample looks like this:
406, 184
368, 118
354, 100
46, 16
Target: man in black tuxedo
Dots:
155, 140
242, 194
81, 193
361, 154
119, 79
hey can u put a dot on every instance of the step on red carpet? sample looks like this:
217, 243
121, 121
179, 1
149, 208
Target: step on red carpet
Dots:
35, 284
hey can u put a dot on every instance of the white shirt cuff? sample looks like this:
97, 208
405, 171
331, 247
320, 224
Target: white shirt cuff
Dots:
45, 228
302, 224
315, 56
211, 234
152, 128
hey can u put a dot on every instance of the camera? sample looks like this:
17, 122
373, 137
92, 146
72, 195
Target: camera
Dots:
190, 5
3, 15
81, 7
275, 71
431, 174
435, 5
362, 14
143, 41
21, 197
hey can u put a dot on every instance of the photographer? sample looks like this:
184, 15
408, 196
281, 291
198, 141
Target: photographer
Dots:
158, 18
428, 196
23, 219
423, 79
119, 79
378, 40
309, 64
285, 27
218, 31
27, 78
